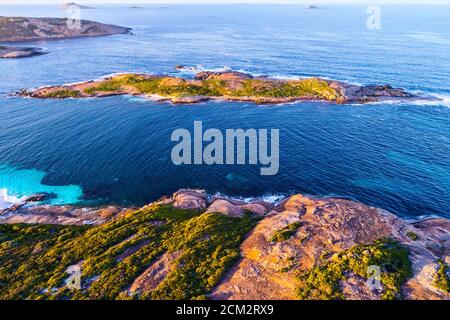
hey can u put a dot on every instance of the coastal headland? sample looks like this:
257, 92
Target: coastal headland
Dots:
192, 245
18, 29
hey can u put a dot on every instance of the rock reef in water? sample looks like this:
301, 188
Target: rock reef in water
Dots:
302, 247
13, 29
19, 52
227, 86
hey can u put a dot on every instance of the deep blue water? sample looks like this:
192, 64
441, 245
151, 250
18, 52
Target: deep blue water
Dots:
117, 149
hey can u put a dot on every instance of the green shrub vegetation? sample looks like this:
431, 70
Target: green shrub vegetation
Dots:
34, 258
64, 93
177, 87
313, 88
322, 281
107, 86
285, 233
413, 236
442, 280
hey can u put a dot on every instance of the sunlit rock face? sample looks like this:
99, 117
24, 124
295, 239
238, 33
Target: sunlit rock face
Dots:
269, 270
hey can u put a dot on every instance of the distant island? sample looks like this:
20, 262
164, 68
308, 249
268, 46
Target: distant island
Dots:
19, 52
227, 86
67, 5
14, 29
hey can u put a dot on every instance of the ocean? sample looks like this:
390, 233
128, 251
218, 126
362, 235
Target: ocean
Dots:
116, 150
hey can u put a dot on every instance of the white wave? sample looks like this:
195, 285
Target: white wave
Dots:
106, 76
193, 70
273, 198
270, 198
429, 37
284, 76
140, 99
445, 99
6, 200
440, 100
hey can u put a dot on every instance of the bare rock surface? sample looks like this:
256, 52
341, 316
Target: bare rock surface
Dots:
268, 270
190, 199
63, 215
155, 273
237, 208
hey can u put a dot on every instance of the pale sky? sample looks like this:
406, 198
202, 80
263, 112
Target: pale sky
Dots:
316, 2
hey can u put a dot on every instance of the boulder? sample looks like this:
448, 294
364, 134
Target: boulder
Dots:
190, 199
40, 197
237, 208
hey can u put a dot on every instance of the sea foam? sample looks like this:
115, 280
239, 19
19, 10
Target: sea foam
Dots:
6, 200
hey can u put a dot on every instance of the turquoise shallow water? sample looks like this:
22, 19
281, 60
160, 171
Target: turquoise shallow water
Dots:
23, 182
117, 150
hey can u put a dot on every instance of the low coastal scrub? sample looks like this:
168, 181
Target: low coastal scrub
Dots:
108, 86
34, 258
286, 232
323, 281
413, 236
442, 280
314, 88
64, 93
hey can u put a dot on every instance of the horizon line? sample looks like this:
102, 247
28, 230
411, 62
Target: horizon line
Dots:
222, 2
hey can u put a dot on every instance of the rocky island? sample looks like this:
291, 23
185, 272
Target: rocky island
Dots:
227, 86
14, 29
192, 245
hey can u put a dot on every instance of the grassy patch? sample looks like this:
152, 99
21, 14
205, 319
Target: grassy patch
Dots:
64, 93
413, 236
322, 281
107, 86
313, 88
285, 233
442, 280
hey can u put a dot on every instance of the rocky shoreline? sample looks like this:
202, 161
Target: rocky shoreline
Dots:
271, 257
224, 86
